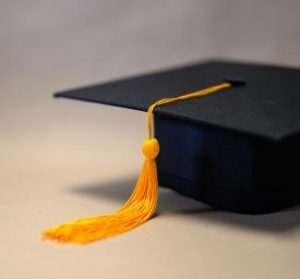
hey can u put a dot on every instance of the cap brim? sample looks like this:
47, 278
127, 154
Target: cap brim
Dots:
268, 106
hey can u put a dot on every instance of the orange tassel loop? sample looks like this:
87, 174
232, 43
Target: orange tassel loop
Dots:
143, 201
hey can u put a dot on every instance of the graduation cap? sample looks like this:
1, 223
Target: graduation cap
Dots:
232, 145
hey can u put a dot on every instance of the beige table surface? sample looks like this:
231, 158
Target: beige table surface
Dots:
63, 159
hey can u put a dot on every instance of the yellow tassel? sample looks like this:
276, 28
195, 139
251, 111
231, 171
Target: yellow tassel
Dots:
138, 209
143, 201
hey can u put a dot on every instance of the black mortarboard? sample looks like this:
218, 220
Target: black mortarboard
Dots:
237, 149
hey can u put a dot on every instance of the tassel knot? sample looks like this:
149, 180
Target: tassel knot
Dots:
150, 148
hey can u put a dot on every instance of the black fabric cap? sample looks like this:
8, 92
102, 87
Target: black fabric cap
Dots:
237, 149
267, 106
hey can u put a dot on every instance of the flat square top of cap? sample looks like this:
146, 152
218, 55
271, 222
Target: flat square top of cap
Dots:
267, 106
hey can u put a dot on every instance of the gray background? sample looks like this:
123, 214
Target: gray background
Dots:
97, 40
